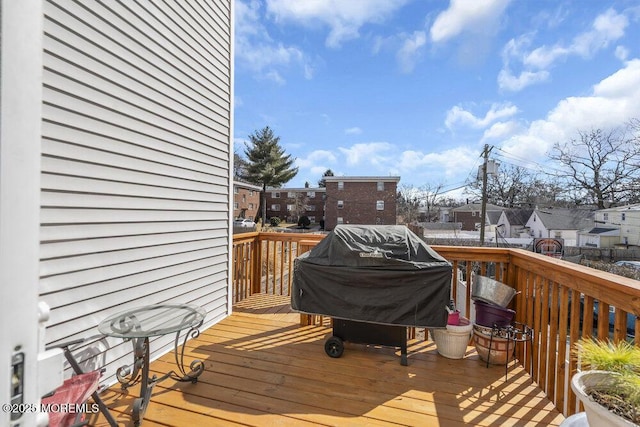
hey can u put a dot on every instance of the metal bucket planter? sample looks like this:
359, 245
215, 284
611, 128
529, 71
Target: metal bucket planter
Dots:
491, 291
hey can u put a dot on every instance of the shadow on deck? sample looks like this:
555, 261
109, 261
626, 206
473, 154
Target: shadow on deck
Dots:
263, 369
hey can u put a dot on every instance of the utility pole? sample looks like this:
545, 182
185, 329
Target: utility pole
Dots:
483, 218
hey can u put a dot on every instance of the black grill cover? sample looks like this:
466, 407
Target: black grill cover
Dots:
380, 274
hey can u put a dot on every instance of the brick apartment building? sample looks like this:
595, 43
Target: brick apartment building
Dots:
246, 199
289, 204
360, 200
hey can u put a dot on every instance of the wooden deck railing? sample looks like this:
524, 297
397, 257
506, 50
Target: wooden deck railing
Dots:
263, 262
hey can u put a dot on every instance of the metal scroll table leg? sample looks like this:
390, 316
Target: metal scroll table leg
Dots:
146, 386
196, 367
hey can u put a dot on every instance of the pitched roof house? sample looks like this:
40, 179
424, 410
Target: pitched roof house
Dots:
512, 222
619, 225
560, 223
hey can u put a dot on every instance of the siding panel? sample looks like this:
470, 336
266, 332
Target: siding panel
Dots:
135, 163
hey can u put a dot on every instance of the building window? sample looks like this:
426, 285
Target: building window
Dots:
275, 195
235, 190
235, 205
310, 208
380, 186
340, 204
311, 194
291, 194
380, 205
312, 219
275, 207
605, 216
250, 205
244, 198
340, 185
340, 220
291, 208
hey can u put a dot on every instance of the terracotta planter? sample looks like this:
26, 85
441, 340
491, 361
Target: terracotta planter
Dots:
496, 350
597, 415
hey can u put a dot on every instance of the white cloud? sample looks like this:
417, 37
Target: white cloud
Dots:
500, 130
613, 101
606, 29
496, 112
478, 17
410, 50
344, 18
622, 53
353, 131
451, 161
315, 158
374, 153
507, 81
275, 77
258, 52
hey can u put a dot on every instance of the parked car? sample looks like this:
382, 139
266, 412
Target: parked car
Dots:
631, 319
243, 222
629, 264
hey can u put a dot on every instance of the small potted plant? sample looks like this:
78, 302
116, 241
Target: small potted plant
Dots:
609, 383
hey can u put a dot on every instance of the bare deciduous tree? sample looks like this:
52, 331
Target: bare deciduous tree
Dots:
600, 165
430, 198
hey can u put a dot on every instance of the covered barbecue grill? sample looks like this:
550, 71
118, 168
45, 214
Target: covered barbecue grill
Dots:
374, 281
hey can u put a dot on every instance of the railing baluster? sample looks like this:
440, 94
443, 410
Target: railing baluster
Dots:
553, 342
541, 335
574, 335
562, 347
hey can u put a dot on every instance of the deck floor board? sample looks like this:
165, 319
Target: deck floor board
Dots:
262, 368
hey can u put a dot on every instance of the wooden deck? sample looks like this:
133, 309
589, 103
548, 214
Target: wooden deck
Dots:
263, 369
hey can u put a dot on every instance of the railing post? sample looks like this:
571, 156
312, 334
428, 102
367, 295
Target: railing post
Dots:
256, 259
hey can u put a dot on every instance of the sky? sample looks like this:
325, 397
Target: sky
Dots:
417, 88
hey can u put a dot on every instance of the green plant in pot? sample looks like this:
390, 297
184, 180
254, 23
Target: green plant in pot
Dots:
609, 383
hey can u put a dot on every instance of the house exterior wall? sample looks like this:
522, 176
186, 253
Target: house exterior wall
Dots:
597, 240
504, 227
626, 218
136, 155
470, 220
246, 200
360, 200
536, 227
289, 204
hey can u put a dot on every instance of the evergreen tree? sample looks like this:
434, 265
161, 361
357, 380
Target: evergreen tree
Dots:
322, 182
267, 164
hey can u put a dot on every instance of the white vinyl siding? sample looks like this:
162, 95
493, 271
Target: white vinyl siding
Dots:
136, 150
